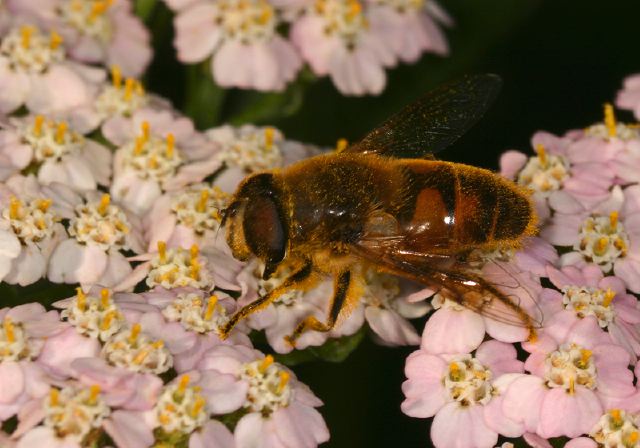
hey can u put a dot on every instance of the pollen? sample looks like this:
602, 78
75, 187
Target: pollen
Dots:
129, 86
608, 297
183, 383
202, 203
43, 205
98, 9
104, 298
9, 330
61, 130
266, 362
116, 76
615, 416
135, 332
613, 220
55, 40
81, 299
14, 207
194, 252
105, 200
54, 397
284, 380
542, 154
162, 251
37, 125
610, 120
211, 306
171, 145
26, 32
269, 134
146, 129
94, 391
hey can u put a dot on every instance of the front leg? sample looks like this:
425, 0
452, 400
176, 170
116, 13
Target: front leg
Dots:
296, 280
340, 293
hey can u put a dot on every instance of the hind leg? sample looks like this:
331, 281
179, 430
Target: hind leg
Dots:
340, 292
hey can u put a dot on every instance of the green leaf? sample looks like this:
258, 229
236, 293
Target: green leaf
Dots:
42, 291
265, 108
334, 350
144, 8
203, 98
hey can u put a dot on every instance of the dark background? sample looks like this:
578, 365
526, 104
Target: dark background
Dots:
560, 61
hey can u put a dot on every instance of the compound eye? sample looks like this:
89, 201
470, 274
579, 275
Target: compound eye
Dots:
265, 230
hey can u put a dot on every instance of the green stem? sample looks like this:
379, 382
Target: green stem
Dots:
203, 98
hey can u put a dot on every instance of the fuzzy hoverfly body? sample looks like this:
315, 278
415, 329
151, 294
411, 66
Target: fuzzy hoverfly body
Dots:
386, 203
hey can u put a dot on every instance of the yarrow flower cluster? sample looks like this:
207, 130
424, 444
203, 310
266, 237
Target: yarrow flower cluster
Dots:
578, 380
352, 41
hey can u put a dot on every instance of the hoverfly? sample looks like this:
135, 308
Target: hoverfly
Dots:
386, 203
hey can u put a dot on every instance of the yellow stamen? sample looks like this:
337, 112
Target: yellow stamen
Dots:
162, 251
355, 8
55, 40
164, 419
610, 120
269, 134
632, 439
94, 391
44, 204
14, 207
104, 298
140, 357
54, 395
572, 386
129, 85
608, 297
266, 362
9, 330
81, 299
615, 415
153, 162
341, 145
135, 332
284, 379
211, 306
145, 130
194, 269
139, 145
171, 145
202, 203
108, 319
194, 251
183, 383
26, 32
41, 224
197, 407
98, 9
139, 88
265, 16
37, 125
585, 355
158, 344
601, 245
542, 154
104, 204
613, 220
454, 370
60, 132
116, 76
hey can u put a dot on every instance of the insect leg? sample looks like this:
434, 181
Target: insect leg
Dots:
293, 281
340, 292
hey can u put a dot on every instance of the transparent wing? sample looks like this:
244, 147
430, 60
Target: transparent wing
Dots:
433, 122
444, 275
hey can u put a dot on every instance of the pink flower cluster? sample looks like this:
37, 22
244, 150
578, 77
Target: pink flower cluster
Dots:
146, 370
352, 41
577, 378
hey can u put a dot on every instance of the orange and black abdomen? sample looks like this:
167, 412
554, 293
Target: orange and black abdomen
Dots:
458, 206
